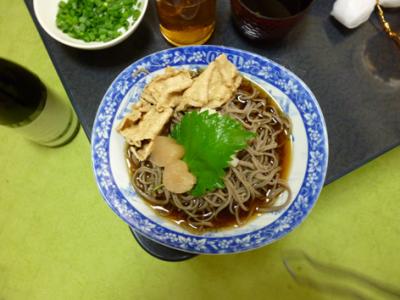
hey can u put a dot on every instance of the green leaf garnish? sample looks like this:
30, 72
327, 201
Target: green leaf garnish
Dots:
209, 140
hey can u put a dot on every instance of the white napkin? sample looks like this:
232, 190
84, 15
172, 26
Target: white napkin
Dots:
352, 13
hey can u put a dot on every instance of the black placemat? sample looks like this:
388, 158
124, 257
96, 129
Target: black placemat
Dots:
355, 75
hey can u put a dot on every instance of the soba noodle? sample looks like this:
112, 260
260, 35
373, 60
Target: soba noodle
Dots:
252, 185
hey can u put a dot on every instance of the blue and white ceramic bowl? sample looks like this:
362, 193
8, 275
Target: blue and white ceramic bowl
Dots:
309, 159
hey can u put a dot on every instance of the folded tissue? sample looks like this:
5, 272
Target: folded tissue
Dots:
352, 13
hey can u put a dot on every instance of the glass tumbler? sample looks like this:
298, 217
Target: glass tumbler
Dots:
186, 22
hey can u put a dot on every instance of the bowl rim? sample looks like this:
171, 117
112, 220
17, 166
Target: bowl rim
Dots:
92, 45
119, 209
275, 19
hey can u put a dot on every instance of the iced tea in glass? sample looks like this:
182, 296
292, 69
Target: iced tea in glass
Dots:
186, 22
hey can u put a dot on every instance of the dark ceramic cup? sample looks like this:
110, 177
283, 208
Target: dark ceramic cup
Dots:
265, 24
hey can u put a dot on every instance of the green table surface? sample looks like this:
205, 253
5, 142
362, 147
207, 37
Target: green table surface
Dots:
59, 240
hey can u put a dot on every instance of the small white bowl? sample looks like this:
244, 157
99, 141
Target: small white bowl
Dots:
46, 12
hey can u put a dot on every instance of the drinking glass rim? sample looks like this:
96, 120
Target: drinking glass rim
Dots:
184, 6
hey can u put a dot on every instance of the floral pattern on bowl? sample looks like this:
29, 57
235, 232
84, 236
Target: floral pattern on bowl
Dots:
309, 138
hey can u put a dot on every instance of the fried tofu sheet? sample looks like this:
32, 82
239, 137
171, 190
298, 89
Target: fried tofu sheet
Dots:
176, 90
215, 86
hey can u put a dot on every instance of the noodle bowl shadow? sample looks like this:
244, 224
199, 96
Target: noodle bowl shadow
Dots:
309, 151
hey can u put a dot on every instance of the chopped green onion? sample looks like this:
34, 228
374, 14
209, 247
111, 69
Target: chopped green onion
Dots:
96, 20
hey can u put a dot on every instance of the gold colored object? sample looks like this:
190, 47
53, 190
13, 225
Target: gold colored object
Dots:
386, 26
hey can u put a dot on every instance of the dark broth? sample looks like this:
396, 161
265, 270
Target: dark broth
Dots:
274, 8
225, 218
